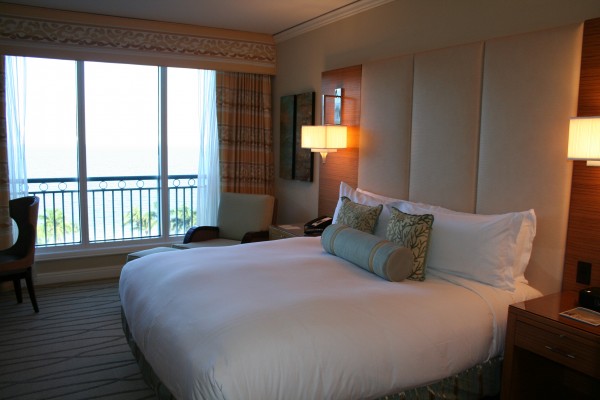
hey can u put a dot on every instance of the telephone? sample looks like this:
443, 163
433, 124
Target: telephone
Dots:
316, 226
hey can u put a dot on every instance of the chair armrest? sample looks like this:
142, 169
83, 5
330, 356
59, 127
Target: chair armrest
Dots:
201, 233
257, 236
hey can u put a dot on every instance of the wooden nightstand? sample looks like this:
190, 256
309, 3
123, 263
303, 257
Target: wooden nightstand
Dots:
548, 356
285, 231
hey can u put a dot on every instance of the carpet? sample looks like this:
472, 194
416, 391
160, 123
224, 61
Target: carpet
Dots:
73, 349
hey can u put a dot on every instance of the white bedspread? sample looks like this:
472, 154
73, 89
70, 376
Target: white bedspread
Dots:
285, 320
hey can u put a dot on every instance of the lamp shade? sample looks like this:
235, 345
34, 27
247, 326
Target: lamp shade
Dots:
322, 138
584, 138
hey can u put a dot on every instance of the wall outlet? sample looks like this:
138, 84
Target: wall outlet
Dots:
584, 272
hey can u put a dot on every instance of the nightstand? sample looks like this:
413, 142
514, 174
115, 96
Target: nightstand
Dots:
285, 231
548, 356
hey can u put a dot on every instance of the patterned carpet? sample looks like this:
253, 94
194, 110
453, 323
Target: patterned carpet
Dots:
73, 349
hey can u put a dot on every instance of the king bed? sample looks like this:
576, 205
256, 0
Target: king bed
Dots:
299, 319
286, 320
312, 318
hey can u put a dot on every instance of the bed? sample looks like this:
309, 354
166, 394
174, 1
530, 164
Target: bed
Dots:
291, 319
455, 131
298, 323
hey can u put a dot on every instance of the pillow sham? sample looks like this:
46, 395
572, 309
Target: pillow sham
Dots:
525, 221
380, 257
525, 244
478, 247
391, 200
381, 198
358, 216
413, 232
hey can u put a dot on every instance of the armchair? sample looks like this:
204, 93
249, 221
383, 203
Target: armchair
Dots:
16, 261
242, 218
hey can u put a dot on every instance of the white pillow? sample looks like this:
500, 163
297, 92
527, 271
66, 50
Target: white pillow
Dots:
349, 192
391, 200
525, 238
383, 199
525, 244
493, 249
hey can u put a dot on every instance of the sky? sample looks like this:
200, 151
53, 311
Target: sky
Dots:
121, 119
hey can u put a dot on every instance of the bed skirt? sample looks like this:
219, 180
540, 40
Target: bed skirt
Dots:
479, 382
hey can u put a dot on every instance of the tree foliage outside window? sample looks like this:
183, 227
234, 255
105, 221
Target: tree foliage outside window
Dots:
53, 227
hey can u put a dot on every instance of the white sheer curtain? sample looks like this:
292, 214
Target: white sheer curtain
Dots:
15, 124
208, 168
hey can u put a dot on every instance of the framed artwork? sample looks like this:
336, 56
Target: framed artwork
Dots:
294, 161
287, 126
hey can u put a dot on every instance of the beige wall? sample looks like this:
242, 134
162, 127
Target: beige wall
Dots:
399, 27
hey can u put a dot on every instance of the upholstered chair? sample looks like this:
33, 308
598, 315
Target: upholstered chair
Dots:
17, 260
242, 218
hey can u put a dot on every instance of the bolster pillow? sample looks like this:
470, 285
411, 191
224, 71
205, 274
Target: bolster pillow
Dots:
381, 257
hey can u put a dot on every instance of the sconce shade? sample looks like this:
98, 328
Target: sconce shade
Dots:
584, 139
324, 138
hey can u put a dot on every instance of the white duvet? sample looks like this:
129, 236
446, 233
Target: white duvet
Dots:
285, 320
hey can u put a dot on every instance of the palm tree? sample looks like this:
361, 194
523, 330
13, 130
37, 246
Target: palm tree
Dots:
181, 219
141, 222
52, 226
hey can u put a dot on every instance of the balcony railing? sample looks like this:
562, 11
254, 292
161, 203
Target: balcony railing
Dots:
119, 208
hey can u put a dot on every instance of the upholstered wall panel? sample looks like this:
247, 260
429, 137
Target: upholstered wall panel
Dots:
488, 132
445, 126
529, 92
386, 123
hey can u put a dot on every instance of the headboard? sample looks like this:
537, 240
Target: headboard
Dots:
482, 128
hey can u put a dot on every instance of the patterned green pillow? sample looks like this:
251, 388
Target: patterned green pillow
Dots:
358, 216
412, 231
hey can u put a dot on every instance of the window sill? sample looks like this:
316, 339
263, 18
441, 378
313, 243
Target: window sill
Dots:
99, 249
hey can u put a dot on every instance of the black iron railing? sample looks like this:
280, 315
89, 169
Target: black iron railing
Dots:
119, 208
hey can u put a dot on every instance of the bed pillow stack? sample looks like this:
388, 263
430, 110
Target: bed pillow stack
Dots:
368, 214
492, 249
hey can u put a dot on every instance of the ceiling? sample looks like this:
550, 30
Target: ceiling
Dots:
262, 16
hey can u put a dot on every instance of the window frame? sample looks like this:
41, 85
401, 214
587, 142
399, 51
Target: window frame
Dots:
87, 248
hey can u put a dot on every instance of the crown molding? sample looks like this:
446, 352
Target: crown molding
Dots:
357, 7
41, 32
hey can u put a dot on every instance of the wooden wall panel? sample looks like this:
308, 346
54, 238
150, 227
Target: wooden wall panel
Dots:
589, 81
342, 165
583, 233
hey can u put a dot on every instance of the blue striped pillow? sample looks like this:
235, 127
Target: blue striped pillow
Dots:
378, 256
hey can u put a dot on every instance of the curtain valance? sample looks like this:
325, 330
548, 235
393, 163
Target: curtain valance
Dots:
41, 32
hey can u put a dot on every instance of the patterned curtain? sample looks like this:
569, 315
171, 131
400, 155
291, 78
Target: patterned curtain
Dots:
5, 221
245, 132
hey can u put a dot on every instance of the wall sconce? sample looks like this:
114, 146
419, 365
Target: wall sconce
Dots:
326, 138
584, 140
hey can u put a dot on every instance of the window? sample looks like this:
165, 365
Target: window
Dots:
112, 150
